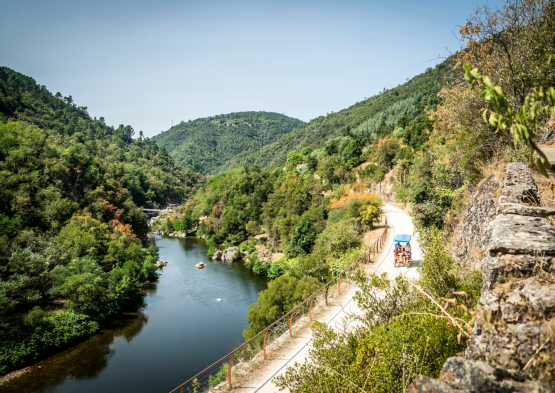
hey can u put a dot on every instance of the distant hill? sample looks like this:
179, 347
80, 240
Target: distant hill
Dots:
376, 115
216, 144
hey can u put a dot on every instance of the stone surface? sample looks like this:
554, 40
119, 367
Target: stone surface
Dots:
517, 304
511, 347
229, 254
497, 268
423, 384
473, 232
469, 376
520, 300
217, 256
475, 376
525, 210
200, 265
515, 234
519, 186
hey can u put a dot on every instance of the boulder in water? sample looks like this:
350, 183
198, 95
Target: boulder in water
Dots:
200, 265
217, 256
229, 254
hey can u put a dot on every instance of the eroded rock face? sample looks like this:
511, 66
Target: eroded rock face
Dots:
217, 256
525, 210
497, 267
463, 375
474, 231
519, 186
229, 254
517, 234
518, 296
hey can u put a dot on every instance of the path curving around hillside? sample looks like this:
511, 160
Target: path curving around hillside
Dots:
340, 317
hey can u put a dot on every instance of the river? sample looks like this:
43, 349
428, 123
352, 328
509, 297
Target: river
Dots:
179, 330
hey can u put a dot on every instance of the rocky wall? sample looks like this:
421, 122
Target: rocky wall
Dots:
473, 232
516, 326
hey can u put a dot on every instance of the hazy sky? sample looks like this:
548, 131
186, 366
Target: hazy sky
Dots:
145, 63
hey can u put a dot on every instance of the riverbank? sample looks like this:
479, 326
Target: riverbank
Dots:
162, 337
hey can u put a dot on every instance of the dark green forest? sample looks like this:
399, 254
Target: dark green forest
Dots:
73, 244
215, 144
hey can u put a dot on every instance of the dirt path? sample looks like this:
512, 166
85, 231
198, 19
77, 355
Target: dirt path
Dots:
339, 315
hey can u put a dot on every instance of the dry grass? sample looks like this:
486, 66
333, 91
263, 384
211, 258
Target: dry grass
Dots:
547, 195
496, 167
371, 236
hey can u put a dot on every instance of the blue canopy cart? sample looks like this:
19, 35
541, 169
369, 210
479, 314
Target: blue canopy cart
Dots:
402, 252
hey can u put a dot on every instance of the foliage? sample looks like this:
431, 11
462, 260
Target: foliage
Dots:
51, 332
219, 377
282, 294
214, 144
337, 265
302, 239
385, 359
387, 150
338, 238
72, 232
403, 335
411, 98
539, 105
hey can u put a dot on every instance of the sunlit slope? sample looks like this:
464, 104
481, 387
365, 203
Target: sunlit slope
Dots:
216, 144
375, 115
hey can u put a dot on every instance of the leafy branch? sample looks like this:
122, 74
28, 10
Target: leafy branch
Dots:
522, 123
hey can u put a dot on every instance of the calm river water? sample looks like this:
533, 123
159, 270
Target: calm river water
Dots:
180, 330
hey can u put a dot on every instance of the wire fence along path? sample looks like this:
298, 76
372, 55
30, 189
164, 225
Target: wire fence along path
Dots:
204, 380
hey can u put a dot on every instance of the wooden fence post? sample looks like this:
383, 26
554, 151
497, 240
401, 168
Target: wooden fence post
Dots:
310, 309
264, 345
229, 371
291, 322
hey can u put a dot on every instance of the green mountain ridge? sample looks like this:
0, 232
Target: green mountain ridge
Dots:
216, 144
375, 116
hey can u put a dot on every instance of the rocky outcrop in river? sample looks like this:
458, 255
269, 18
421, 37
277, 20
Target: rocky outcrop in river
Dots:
229, 254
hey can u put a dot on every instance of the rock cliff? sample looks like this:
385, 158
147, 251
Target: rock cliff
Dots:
512, 345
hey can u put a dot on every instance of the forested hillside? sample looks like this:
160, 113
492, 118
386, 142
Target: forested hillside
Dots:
377, 115
214, 144
72, 237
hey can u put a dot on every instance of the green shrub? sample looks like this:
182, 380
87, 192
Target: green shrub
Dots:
385, 359
27, 344
338, 238
282, 294
276, 269
221, 376
302, 239
261, 268
211, 251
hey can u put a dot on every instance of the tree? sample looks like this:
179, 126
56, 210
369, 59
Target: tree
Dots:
282, 295
294, 159
353, 150
302, 239
387, 152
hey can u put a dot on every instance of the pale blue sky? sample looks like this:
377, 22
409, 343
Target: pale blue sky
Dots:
145, 63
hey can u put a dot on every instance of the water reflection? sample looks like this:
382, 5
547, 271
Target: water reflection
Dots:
84, 361
179, 330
